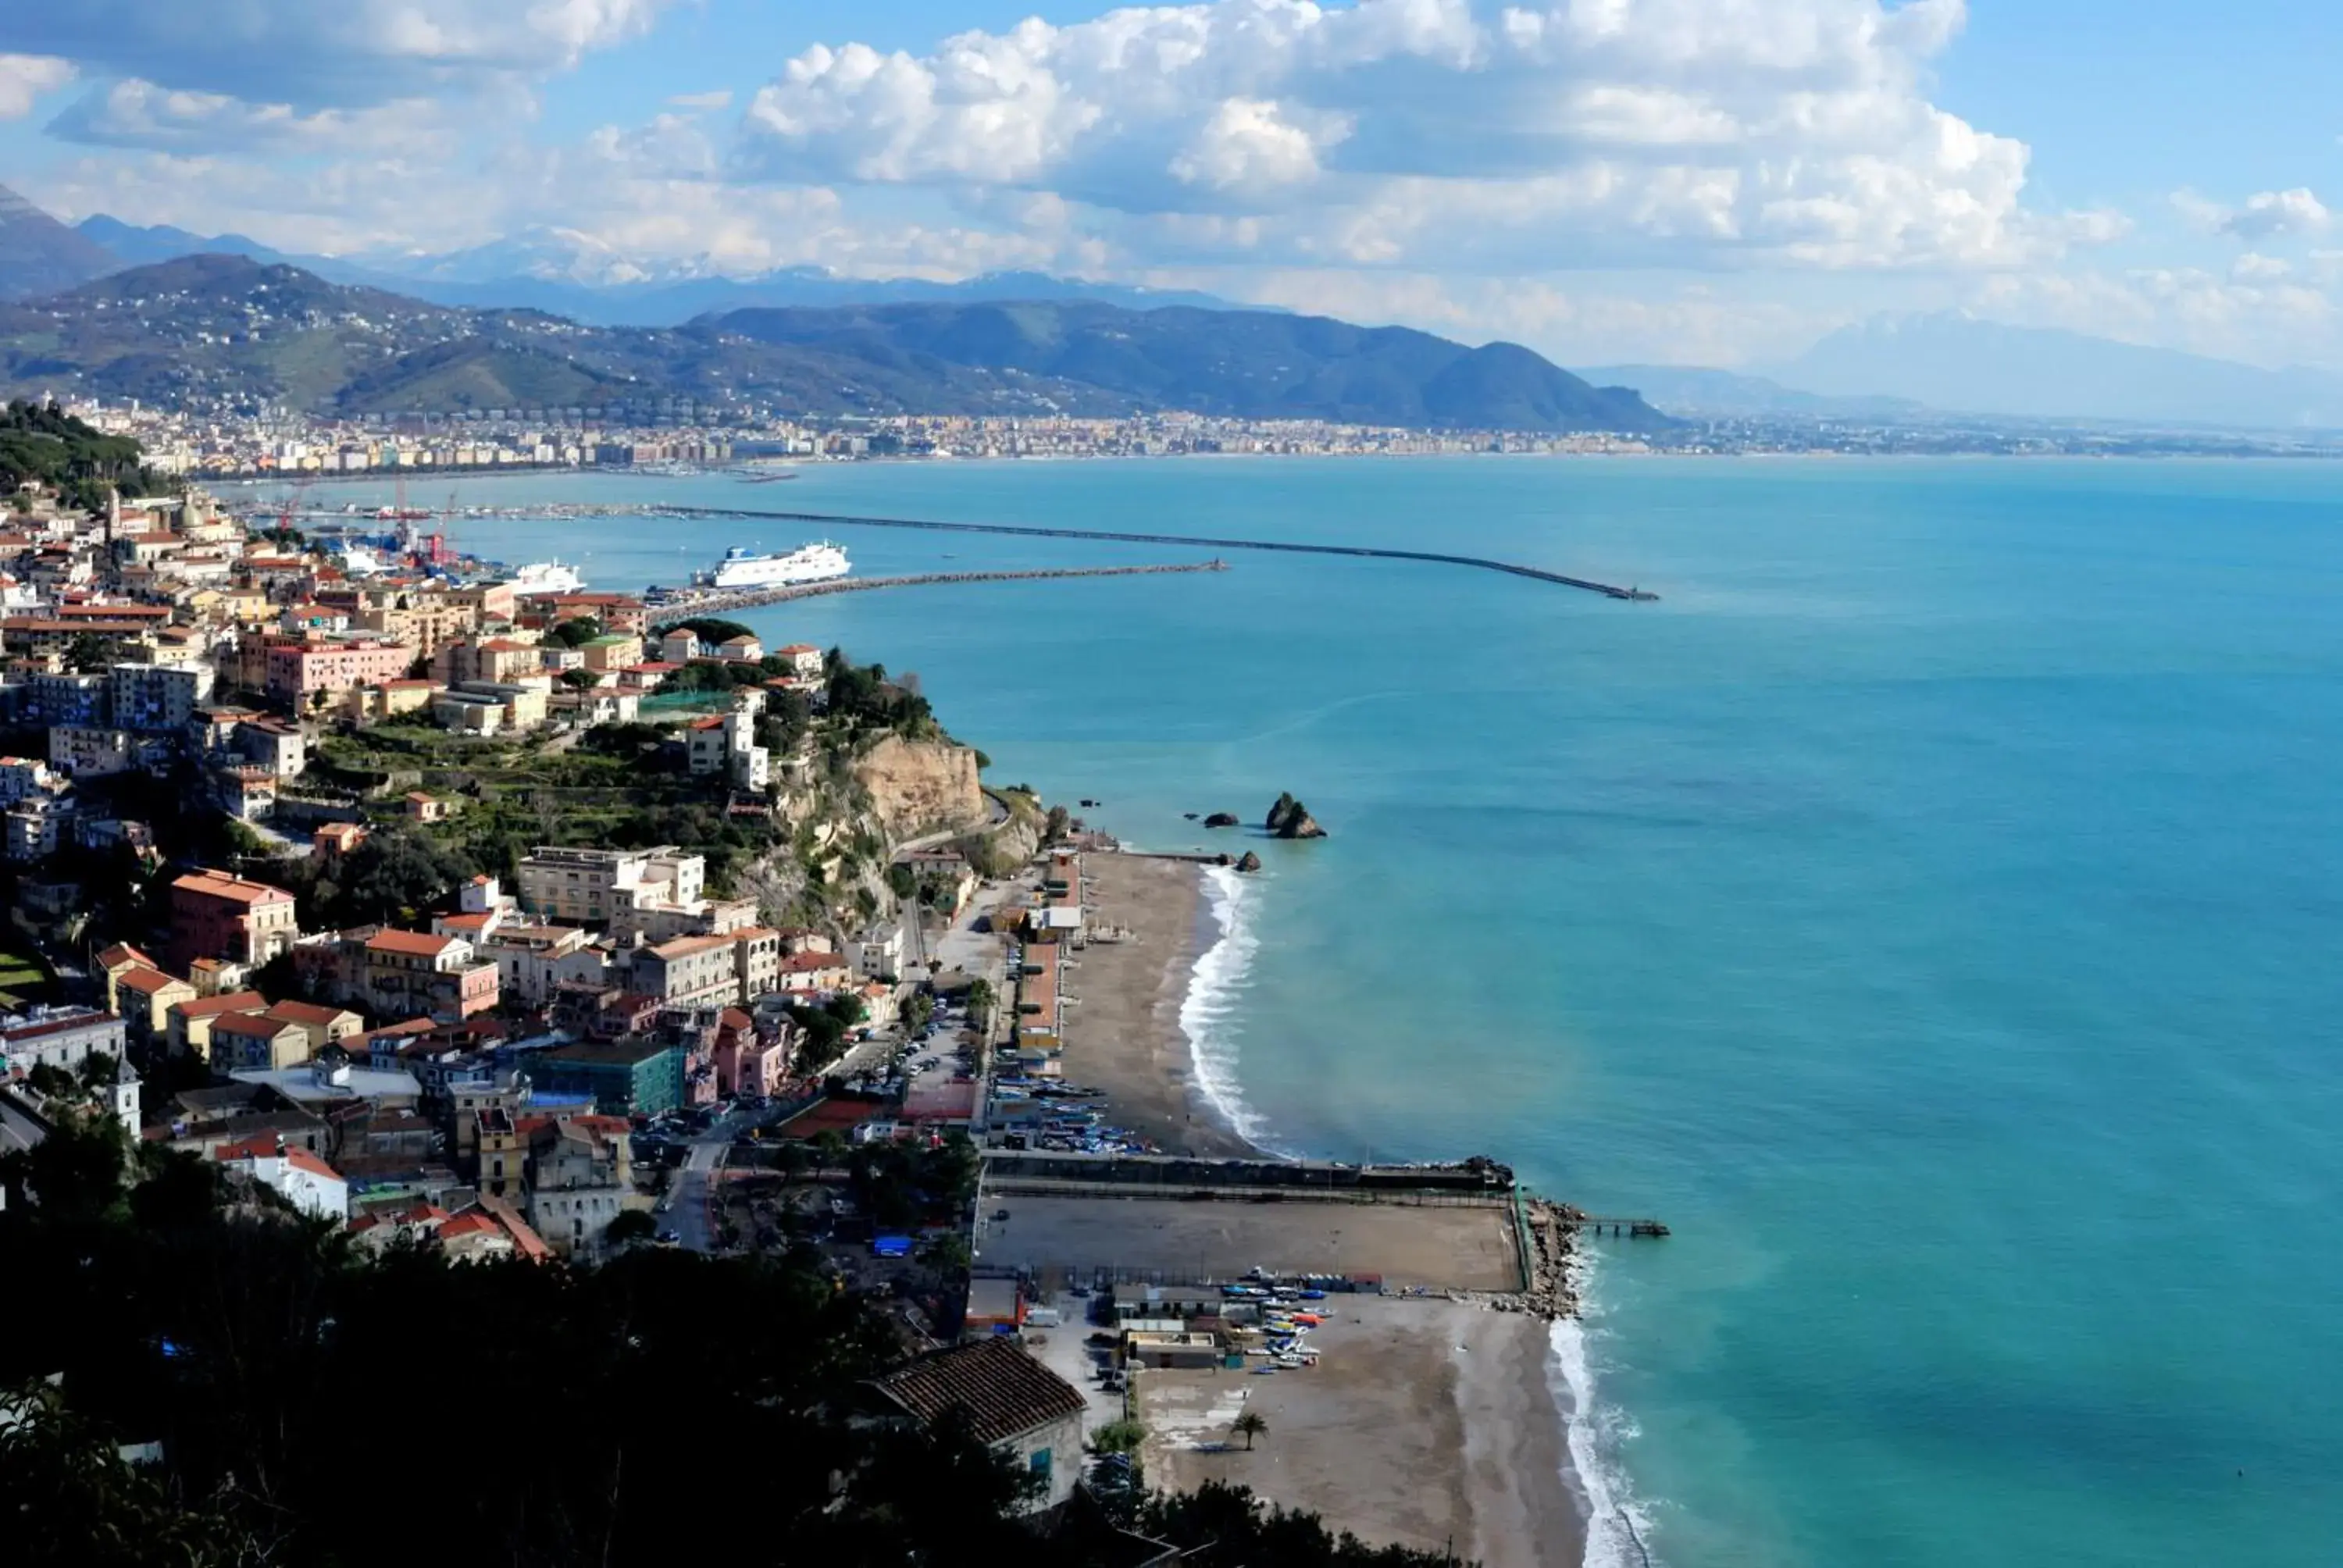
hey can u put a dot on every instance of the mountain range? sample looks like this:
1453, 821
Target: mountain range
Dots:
566, 273
1888, 369
228, 331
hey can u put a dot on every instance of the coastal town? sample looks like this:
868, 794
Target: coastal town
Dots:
431, 913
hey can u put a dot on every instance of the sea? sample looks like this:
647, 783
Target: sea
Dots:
1931, 909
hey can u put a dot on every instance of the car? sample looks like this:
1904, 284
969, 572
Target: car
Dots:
669, 1239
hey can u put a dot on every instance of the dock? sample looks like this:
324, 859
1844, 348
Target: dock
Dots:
699, 601
1481, 563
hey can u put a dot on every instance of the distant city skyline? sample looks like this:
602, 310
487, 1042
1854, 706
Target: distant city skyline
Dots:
1692, 181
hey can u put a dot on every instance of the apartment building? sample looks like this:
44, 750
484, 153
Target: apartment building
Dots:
215, 915
157, 696
298, 671
609, 887
709, 970
414, 973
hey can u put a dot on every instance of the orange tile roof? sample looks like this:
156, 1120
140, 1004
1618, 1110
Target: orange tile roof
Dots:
416, 944
227, 1001
309, 1012
221, 885
258, 1025
146, 982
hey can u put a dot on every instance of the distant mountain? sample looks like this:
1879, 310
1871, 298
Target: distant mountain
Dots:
230, 331
1688, 391
1243, 364
133, 247
1957, 362
567, 273
39, 256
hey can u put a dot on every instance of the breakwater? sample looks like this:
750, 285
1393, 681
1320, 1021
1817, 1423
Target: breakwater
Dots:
697, 600
1439, 557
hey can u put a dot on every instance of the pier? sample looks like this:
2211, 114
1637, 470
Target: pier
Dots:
1593, 1225
1481, 563
697, 602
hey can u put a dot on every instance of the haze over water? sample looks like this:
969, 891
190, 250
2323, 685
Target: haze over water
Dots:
1930, 910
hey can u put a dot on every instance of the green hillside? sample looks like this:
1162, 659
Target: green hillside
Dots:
229, 332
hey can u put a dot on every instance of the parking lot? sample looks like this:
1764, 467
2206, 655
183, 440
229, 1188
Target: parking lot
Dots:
1433, 1246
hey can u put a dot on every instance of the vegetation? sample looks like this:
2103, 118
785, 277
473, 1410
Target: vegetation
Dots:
142, 1309
708, 628
577, 631
357, 351
825, 1025
42, 442
1249, 1426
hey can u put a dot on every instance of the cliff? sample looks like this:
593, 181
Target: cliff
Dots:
920, 786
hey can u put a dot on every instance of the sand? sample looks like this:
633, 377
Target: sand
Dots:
1123, 1034
1429, 1423
1435, 1246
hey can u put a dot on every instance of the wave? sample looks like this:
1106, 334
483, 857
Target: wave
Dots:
1618, 1525
1208, 1012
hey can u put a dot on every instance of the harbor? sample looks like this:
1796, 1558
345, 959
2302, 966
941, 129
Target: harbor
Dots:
710, 601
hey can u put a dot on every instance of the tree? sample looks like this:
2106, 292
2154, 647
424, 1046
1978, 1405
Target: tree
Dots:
580, 680
578, 631
1118, 1437
1249, 1426
631, 1225
947, 1253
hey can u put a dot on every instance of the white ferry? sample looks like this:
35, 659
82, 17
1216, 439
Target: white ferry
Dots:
546, 577
742, 568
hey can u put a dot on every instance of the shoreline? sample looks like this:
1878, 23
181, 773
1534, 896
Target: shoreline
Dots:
1433, 1421
1126, 1034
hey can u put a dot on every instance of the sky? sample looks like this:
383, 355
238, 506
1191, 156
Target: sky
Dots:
1715, 182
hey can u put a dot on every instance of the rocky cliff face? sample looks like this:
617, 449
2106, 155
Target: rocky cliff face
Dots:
918, 787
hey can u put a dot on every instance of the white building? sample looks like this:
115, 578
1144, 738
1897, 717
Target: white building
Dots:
157, 696
307, 1183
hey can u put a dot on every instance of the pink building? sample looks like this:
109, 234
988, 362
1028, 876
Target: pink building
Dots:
215, 915
746, 1061
297, 670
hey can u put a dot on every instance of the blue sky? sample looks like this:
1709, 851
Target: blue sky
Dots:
1701, 181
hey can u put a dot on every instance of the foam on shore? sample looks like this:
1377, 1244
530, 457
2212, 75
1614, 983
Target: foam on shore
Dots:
1618, 1526
1208, 1013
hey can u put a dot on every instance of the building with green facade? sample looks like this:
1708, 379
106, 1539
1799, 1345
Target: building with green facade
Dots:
624, 1077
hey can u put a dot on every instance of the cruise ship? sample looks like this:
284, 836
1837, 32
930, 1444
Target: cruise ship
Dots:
742, 568
545, 577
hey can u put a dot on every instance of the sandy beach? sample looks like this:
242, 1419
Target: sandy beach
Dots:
1124, 1033
1426, 1423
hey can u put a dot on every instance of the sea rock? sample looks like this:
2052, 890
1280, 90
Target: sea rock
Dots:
1288, 819
1252, 863
1221, 819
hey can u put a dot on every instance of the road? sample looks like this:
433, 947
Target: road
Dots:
685, 1208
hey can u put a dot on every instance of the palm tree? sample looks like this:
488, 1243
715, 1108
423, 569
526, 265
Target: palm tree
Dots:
1249, 1426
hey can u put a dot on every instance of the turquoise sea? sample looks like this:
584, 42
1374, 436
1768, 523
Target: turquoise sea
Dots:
1933, 909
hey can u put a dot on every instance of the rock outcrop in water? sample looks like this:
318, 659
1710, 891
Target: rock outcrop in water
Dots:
1251, 862
1288, 819
1221, 819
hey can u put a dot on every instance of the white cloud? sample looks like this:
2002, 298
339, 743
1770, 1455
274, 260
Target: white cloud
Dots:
2269, 320
344, 53
1249, 143
721, 99
2267, 215
24, 77
1421, 131
135, 114
2255, 268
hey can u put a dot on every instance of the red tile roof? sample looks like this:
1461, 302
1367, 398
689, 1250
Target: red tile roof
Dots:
220, 884
416, 944
213, 1006
1004, 1391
